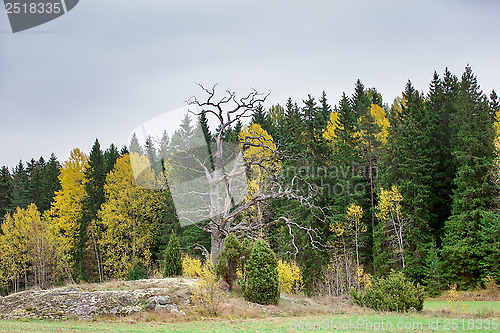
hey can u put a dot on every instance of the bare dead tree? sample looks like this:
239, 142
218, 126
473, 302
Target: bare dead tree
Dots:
209, 184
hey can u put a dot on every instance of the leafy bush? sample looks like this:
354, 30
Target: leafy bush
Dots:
262, 285
172, 258
137, 272
393, 293
290, 277
191, 266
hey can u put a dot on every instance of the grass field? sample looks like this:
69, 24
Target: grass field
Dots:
438, 316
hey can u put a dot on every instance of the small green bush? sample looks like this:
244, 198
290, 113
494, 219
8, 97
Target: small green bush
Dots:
393, 293
229, 260
137, 272
262, 284
172, 261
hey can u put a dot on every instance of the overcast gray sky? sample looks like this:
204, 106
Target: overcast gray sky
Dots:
107, 66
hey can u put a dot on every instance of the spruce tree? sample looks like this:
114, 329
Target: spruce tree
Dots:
110, 156
473, 197
5, 192
150, 151
135, 146
172, 261
440, 106
262, 285
229, 260
95, 178
51, 181
409, 165
20, 183
35, 172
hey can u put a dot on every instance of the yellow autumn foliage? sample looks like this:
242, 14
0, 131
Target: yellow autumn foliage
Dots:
389, 201
259, 150
354, 215
67, 208
128, 217
496, 124
381, 120
191, 266
290, 277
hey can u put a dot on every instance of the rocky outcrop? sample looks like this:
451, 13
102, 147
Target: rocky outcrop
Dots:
78, 302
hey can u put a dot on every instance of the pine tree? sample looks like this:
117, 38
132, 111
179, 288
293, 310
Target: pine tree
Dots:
172, 261
473, 197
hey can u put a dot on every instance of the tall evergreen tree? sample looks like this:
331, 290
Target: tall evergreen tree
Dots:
36, 170
5, 192
95, 177
19, 183
409, 166
473, 197
440, 104
135, 146
50, 182
110, 156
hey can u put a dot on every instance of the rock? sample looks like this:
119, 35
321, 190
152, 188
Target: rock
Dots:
163, 300
150, 306
85, 311
171, 307
159, 308
168, 307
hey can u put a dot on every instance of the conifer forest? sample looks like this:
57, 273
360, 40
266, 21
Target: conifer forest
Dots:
346, 186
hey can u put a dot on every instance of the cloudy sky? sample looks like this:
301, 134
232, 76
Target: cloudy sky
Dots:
108, 66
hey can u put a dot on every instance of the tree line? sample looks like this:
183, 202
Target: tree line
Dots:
364, 187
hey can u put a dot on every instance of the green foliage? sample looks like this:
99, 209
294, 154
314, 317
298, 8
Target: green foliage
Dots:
394, 293
5, 191
229, 260
262, 275
473, 198
137, 272
172, 261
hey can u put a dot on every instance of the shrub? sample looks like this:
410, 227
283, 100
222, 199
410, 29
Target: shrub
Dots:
206, 296
229, 260
191, 266
137, 272
393, 293
172, 258
262, 285
290, 277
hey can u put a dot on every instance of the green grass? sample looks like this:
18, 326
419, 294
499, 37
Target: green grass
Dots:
359, 323
477, 307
